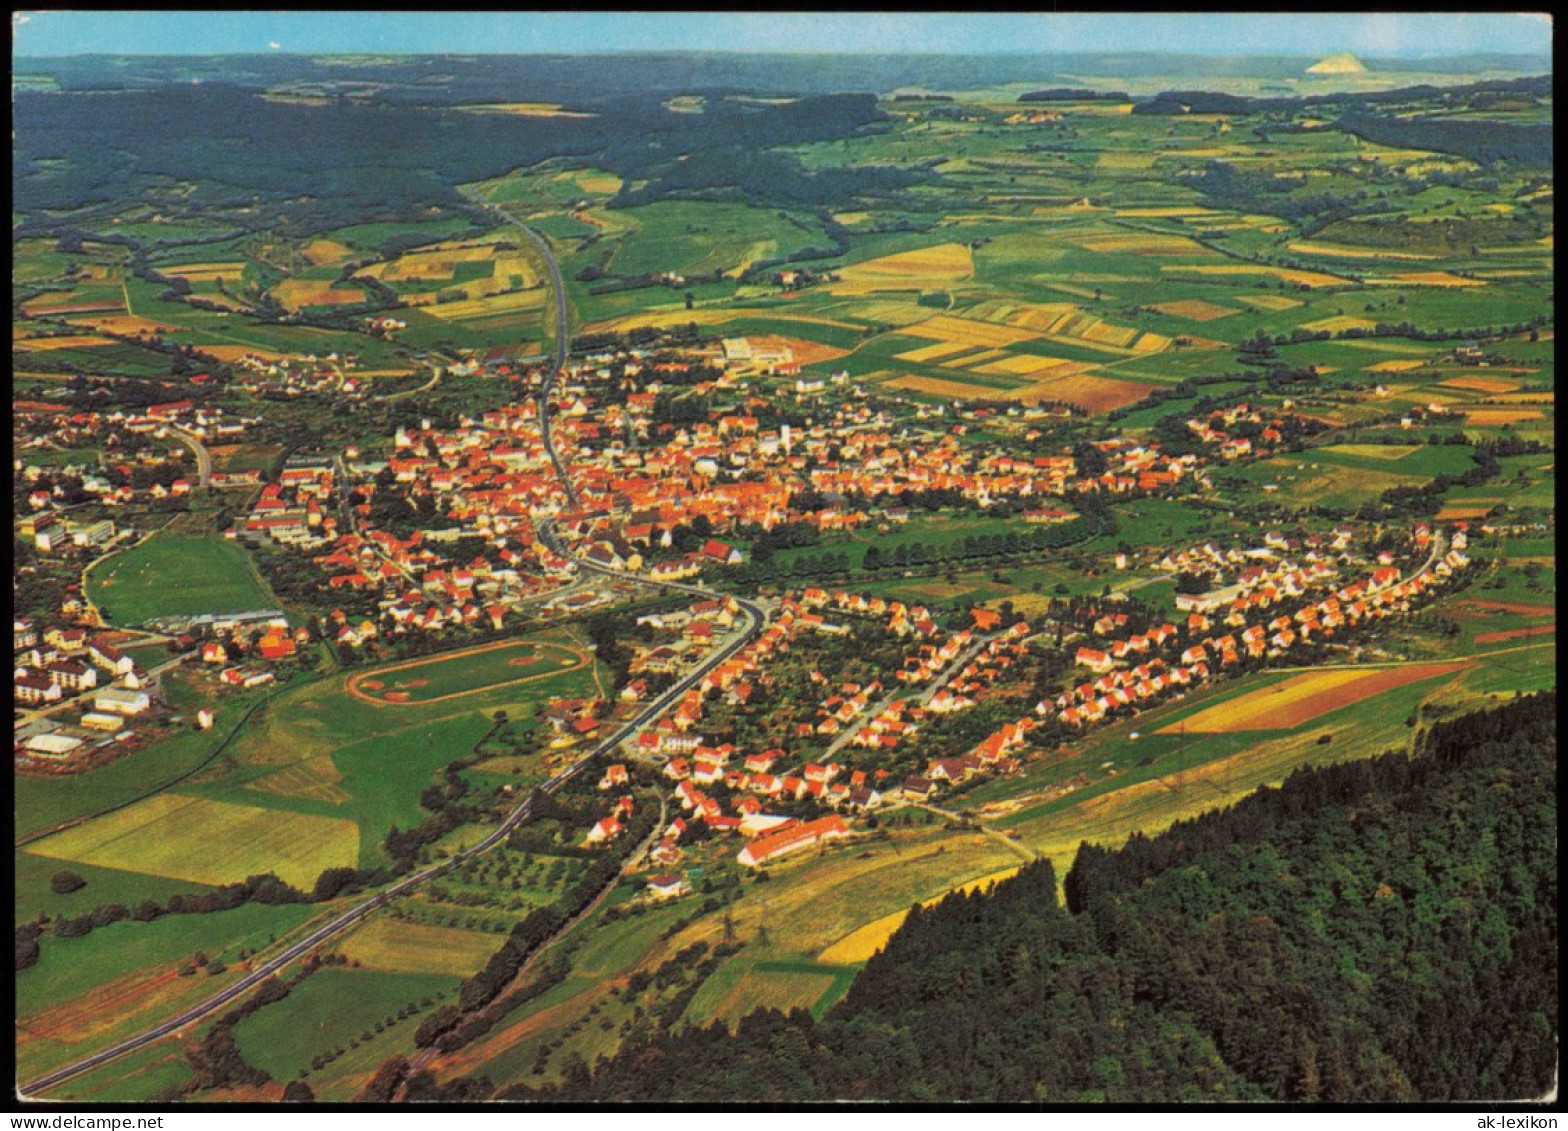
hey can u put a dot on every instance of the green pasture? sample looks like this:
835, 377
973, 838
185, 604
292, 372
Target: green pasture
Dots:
176, 574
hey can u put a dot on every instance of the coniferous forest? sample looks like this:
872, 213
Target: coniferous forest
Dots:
1373, 931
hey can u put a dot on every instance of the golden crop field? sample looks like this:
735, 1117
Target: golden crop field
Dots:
1041, 316
1481, 384
1268, 302
1342, 251
1167, 213
1339, 322
1145, 243
1396, 365
947, 328
1302, 698
1532, 396
208, 842
1496, 417
1092, 394
321, 251
1375, 451
1305, 278
493, 304
205, 272
940, 387
122, 324
1106, 334
296, 293
66, 342
1427, 279
1195, 309
933, 352
234, 353
1151, 342
418, 948
1461, 513
524, 109
973, 360
1132, 161
932, 267
1023, 365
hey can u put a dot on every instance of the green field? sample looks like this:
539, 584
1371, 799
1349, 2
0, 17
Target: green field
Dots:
467, 672
328, 1010
176, 574
207, 842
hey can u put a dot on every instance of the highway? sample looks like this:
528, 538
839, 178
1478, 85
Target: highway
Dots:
754, 618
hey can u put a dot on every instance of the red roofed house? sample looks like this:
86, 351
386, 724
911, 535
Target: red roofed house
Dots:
768, 848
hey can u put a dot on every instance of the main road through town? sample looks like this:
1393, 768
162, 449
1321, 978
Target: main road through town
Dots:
753, 618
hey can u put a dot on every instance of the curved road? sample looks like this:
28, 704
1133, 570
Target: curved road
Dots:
341, 922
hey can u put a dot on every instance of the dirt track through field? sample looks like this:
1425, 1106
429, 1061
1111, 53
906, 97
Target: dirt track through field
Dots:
371, 679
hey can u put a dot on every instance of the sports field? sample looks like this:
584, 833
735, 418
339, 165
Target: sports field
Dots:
211, 842
172, 575
460, 673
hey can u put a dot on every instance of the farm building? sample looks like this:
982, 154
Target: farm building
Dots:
52, 745
97, 720
121, 702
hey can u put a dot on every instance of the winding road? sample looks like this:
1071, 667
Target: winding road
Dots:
754, 618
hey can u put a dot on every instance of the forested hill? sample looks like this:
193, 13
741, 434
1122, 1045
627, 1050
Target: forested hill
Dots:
1370, 932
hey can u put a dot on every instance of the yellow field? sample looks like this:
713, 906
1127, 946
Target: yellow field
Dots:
1145, 243
942, 388
1195, 309
315, 778
318, 252
1428, 279
122, 324
973, 360
929, 266
205, 272
295, 293
234, 353
1108, 335
600, 184
1151, 343
1481, 384
860, 945
1305, 278
1268, 302
932, 352
1532, 397
525, 110
1041, 316
1339, 322
1126, 161
1396, 365
783, 990
946, 328
1494, 417
416, 948
1021, 365
1259, 710
1346, 252
1462, 514
850, 219
710, 316
494, 304
67, 342
1164, 213
208, 842
1375, 451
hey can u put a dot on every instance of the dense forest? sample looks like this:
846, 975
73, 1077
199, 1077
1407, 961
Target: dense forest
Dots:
1372, 931
315, 167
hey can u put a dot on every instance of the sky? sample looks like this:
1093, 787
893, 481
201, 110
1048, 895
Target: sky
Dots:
1408, 34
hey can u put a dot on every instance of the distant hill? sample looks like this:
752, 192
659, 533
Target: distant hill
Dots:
1341, 63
